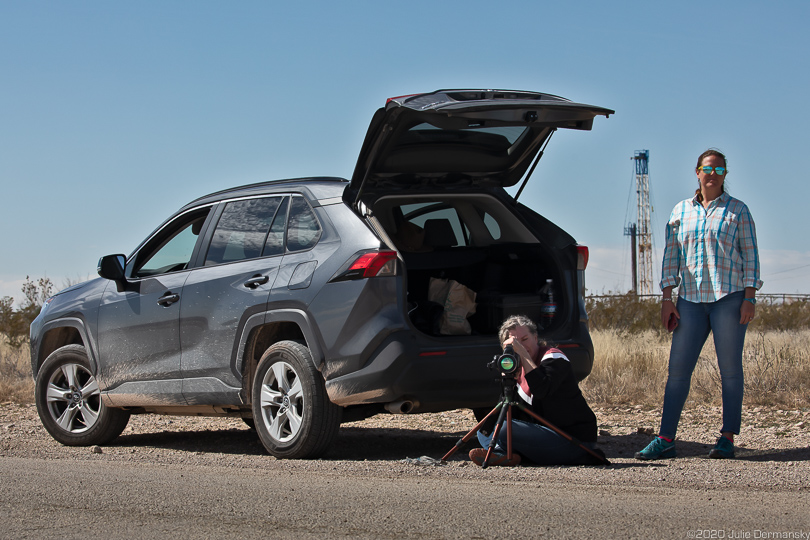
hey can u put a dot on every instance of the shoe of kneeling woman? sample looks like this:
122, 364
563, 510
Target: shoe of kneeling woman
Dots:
478, 455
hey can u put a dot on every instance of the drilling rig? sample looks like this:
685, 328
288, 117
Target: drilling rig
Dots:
640, 232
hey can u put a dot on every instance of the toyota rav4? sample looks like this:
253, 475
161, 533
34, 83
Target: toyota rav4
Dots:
298, 304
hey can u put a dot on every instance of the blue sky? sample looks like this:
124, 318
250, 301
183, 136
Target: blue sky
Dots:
115, 114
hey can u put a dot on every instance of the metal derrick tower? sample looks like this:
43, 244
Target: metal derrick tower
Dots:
641, 231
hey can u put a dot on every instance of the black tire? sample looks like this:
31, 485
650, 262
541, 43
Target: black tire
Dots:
293, 415
69, 401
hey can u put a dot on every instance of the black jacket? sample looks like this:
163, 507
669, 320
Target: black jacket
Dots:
556, 397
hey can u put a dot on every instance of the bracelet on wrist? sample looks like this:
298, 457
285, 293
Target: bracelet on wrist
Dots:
665, 299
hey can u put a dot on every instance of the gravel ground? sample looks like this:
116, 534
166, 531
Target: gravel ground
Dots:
773, 451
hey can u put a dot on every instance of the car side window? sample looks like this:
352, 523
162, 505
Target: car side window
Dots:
275, 239
303, 229
170, 250
242, 230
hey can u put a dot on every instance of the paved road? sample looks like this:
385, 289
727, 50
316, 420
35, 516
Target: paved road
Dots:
188, 477
69, 498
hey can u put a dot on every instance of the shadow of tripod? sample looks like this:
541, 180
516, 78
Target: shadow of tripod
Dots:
504, 410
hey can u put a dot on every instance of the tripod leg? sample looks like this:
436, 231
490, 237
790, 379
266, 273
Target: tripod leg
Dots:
472, 432
509, 431
506, 411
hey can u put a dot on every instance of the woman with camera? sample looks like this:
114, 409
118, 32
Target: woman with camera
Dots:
547, 386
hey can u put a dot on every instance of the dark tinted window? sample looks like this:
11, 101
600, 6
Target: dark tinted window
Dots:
499, 137
242, 230
492, 226
275, 240
303, 229
441, 224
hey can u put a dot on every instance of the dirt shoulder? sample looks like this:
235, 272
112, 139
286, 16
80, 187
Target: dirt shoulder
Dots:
773, 450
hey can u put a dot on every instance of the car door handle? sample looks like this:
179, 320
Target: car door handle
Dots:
168, 299
256, 280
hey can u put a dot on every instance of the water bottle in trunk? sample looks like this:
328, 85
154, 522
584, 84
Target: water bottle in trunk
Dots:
548, 307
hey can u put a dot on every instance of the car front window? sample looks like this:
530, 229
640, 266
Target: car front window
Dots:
170, 250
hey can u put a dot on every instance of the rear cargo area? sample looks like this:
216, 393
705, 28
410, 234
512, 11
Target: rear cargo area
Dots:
481, 242
506, 279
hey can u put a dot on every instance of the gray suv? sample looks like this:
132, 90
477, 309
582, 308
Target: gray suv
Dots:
299, 304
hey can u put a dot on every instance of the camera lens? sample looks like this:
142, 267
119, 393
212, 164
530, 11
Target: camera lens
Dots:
508, 361
508, 364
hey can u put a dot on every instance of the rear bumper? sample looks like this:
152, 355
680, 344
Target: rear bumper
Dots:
435, 375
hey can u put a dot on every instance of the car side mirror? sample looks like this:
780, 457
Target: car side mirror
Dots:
112, 267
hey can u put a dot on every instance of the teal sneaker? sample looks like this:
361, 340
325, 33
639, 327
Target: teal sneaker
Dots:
724, 449
658, 449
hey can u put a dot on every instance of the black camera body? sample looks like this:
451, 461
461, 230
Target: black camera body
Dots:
507, 362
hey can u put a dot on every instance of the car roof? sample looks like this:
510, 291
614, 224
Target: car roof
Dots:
316, 188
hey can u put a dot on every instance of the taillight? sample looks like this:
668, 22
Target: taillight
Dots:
370, 264
399, 98
582, 257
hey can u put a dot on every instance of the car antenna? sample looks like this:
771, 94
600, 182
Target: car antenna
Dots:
534, 164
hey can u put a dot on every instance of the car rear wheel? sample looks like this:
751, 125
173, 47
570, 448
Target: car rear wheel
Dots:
69, 402
293, 415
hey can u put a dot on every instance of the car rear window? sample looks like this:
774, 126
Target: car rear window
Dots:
242, 230
303, 229
496, 138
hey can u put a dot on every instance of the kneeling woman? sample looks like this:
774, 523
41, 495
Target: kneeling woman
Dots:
547, 385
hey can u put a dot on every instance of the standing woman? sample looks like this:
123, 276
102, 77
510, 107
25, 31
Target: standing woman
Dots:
711, 252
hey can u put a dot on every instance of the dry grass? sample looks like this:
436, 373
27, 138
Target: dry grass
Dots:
628, 368
16, 383
632, 369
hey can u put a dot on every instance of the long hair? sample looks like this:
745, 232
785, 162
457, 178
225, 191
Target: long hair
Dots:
704, 155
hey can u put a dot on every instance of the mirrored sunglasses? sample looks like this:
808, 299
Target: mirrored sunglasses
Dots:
708, 170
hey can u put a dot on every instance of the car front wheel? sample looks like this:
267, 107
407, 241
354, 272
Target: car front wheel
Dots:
293, 415
69, 402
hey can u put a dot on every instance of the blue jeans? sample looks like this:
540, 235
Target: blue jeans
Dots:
722, 318
537, 443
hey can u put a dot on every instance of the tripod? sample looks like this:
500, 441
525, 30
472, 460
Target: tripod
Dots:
504, 410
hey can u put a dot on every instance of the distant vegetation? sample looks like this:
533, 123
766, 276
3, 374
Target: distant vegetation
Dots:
16, 383
632, 352
14, 323
634, 314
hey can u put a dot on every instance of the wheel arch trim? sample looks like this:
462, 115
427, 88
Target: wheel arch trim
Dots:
43, 351
296, 316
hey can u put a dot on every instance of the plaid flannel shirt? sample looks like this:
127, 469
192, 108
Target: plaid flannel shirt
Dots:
710, 252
